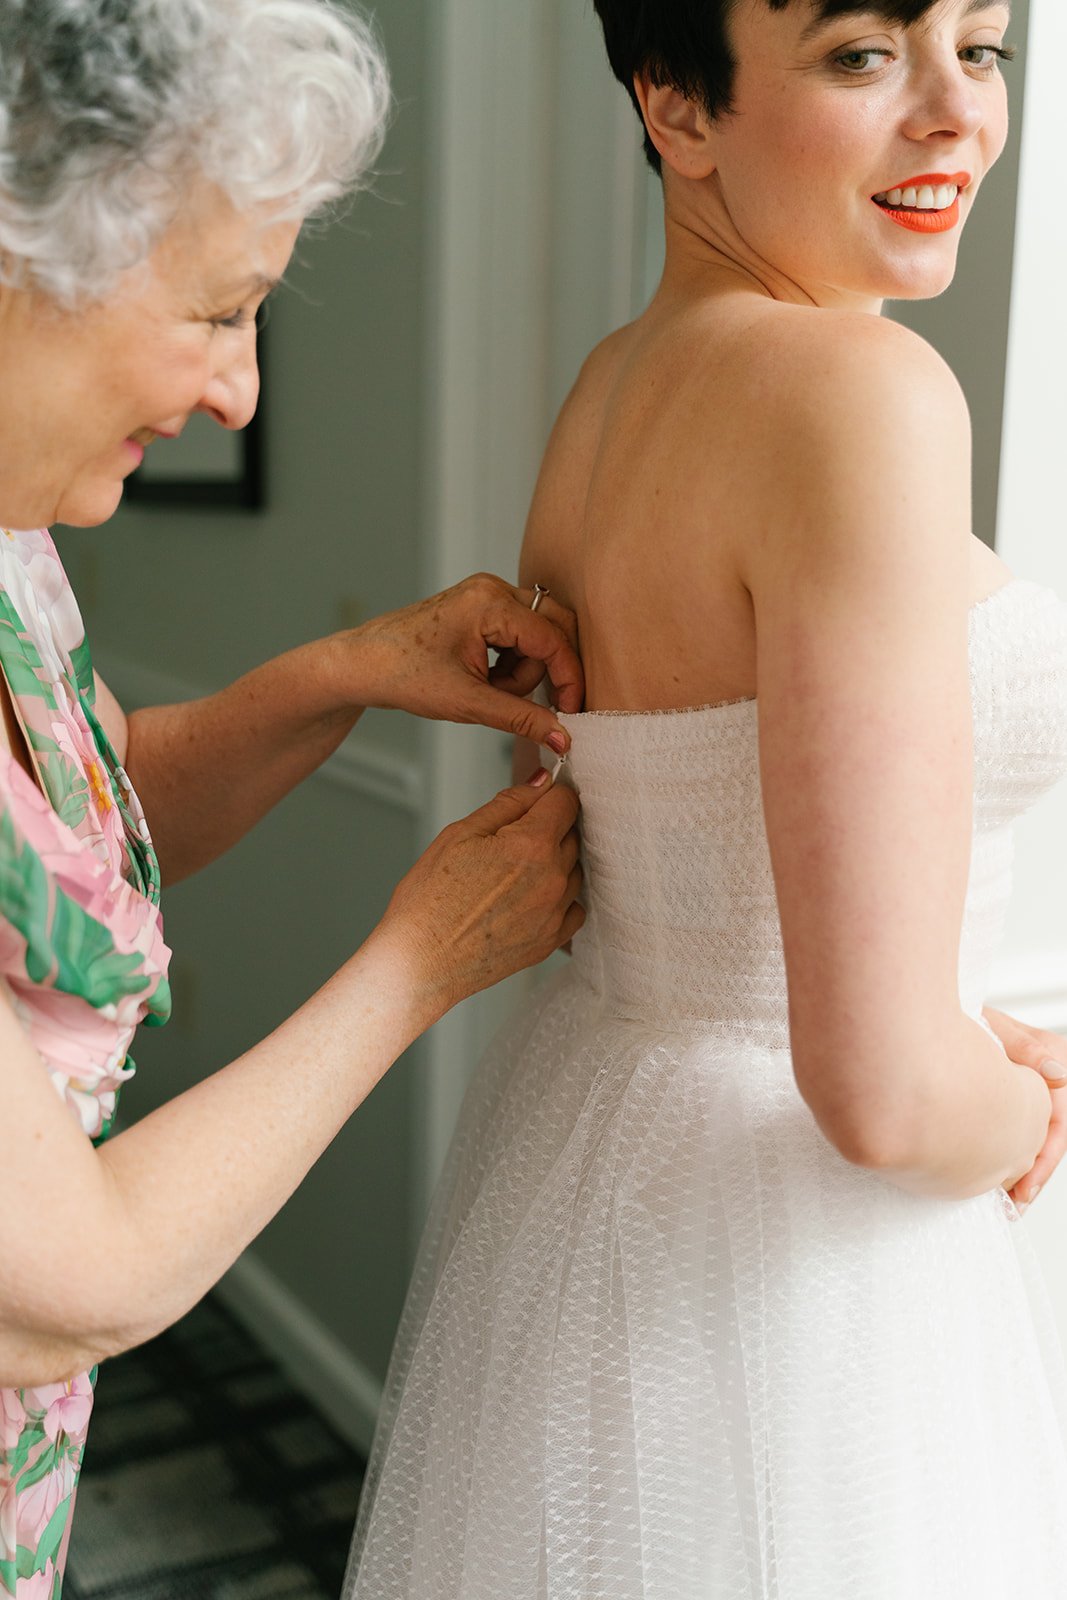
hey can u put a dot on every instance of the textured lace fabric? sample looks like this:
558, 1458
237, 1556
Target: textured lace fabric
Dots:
663, 1342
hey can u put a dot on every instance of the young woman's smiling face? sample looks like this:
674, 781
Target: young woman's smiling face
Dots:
828, 114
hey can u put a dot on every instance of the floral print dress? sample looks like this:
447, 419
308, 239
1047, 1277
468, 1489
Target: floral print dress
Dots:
82, 961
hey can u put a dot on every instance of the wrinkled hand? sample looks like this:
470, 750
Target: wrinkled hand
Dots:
493, 894
432, 659
1046, 1053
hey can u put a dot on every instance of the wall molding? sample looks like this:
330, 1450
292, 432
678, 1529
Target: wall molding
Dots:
358, 766
319, 1365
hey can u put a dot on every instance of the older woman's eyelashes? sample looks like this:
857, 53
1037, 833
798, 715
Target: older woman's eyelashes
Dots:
244, 318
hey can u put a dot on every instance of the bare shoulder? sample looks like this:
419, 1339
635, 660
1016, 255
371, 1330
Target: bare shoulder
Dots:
596, 378
869, 433
813, 362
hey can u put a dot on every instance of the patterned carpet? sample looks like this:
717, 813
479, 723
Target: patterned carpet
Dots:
208, 1477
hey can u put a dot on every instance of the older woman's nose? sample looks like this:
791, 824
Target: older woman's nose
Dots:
232, 394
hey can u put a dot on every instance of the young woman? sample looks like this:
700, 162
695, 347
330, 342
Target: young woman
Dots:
725, 1297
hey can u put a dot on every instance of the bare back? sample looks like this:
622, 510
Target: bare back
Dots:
647, 498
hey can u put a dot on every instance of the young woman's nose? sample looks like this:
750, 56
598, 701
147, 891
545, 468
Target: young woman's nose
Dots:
947, 104
232, 393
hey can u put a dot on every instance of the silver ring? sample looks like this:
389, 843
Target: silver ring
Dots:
539, 594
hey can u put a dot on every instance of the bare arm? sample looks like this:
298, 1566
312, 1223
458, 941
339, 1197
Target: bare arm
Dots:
206, 771
859, 579
103, 1248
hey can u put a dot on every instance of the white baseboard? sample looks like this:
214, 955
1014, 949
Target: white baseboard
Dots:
319, 1365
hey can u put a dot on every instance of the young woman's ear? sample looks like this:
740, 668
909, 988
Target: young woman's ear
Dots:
678, 127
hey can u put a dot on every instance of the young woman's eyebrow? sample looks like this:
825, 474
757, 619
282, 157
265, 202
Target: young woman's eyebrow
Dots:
885, 13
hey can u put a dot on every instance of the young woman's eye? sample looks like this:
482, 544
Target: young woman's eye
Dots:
855, 61
996, 52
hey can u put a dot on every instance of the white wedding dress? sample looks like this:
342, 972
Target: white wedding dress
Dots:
663, 1342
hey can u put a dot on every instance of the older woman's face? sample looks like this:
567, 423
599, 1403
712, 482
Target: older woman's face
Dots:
827, 117
83, 394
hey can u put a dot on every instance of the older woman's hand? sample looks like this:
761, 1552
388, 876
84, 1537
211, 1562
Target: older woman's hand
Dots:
1046, 1053
432, 659
494, 893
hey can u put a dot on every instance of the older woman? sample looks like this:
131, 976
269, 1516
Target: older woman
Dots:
157, 159
726, 1296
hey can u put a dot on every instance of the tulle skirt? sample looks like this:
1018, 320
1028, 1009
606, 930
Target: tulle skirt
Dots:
664, 1343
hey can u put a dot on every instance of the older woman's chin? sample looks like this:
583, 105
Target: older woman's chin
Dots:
88, 505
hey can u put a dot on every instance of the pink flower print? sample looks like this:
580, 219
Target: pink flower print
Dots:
103, 825
12, 1419
12, 949
39, 1586
44, 599
8, 1525
36, 1506
66, 1407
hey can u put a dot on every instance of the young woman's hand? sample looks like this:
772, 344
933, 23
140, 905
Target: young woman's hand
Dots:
1046, 1053
493, 894
432, 659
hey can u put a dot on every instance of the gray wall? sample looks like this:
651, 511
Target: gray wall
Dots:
969, 322
202, 597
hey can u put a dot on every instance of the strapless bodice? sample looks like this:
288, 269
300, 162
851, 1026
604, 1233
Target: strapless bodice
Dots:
683, 923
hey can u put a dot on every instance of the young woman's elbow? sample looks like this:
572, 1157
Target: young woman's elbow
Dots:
876, 1145
864, 1132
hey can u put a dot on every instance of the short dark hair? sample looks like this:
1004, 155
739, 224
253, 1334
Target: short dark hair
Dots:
685, 43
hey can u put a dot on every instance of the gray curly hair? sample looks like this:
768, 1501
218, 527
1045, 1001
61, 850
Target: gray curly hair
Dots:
109, 109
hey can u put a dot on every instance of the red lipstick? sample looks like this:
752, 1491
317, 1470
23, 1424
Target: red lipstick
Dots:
918, 220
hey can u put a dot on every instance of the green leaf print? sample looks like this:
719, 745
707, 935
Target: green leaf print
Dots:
25, 1559
8, 1576
76, 952
89, 964
29, 1440
24, 899
67, 789
52, 1537
82, 661
22, 662
42, 744
24, 681
46, 1462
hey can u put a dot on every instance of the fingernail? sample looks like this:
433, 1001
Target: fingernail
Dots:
1053, 1069
539, 779
557, 742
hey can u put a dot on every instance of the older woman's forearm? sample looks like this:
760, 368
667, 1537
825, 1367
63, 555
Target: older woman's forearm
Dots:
206, 771
164, 1209
114, 1244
